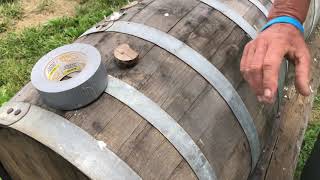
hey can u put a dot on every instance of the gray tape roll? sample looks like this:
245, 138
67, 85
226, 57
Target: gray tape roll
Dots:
80, 90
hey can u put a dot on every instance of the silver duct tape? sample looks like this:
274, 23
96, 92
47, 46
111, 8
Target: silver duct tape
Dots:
74, 144
80, 90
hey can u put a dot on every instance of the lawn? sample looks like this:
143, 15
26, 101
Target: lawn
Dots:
20, 50
10, 11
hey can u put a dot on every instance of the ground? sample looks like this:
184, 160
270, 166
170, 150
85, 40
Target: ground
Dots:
314, 124
26, 13
31, 28
24, 40
44, 11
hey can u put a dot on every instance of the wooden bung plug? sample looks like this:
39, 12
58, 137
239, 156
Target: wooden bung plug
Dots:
125, 57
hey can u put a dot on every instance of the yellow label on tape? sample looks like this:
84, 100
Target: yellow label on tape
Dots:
65, 64
53, 70
71, 70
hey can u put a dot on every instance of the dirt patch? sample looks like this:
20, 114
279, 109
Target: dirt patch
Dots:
39, 11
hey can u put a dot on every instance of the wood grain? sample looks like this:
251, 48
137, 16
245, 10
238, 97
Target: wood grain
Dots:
28, 160
281, 156
176, 88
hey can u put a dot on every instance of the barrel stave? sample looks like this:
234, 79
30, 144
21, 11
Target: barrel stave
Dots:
161, 86
28, 160
178, 89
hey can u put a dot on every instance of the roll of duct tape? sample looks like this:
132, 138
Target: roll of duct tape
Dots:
70, 77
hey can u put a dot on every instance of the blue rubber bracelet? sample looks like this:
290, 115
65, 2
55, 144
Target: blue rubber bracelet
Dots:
284, 19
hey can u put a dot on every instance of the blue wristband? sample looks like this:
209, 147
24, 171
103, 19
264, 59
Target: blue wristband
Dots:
284, 19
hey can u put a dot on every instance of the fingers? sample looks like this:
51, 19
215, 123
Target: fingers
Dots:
261, 61
256, 68
251, 52
244, 60
251, 65
302, 70
271, 67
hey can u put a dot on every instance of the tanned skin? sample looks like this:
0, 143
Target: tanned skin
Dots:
294, 8
262, 57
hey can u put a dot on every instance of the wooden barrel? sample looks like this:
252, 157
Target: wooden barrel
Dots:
222, 144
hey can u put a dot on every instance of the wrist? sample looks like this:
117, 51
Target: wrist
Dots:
298, 17
285, 20
294, 8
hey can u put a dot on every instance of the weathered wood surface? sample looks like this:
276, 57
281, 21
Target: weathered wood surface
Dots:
281, 161
32, 159
178, 89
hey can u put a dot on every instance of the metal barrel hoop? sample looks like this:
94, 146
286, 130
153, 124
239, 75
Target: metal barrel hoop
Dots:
68, 140
65, 138
202, 66
232, 15
166, 125
249, 29
261, 7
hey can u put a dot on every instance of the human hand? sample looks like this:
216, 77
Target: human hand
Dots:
262, 58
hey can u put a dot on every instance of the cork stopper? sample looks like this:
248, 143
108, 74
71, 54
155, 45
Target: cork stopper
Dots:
125, 56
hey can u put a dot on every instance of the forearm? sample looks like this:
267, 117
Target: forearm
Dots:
294, 8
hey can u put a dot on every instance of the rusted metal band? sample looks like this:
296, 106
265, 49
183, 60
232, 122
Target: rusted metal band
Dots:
68, 140
199, 64
166, 125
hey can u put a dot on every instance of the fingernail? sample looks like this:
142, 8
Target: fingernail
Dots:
267, 93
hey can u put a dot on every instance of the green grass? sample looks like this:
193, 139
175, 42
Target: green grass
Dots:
19, 51
6, 1
4, 25
9, 12
310, 137
44, 5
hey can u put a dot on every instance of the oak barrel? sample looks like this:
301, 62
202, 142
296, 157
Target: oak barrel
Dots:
177, 88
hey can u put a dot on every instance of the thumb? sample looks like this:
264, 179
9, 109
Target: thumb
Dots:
302, 70
271, 67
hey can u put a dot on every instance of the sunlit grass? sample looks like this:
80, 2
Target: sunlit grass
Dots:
20, 51
9, 12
